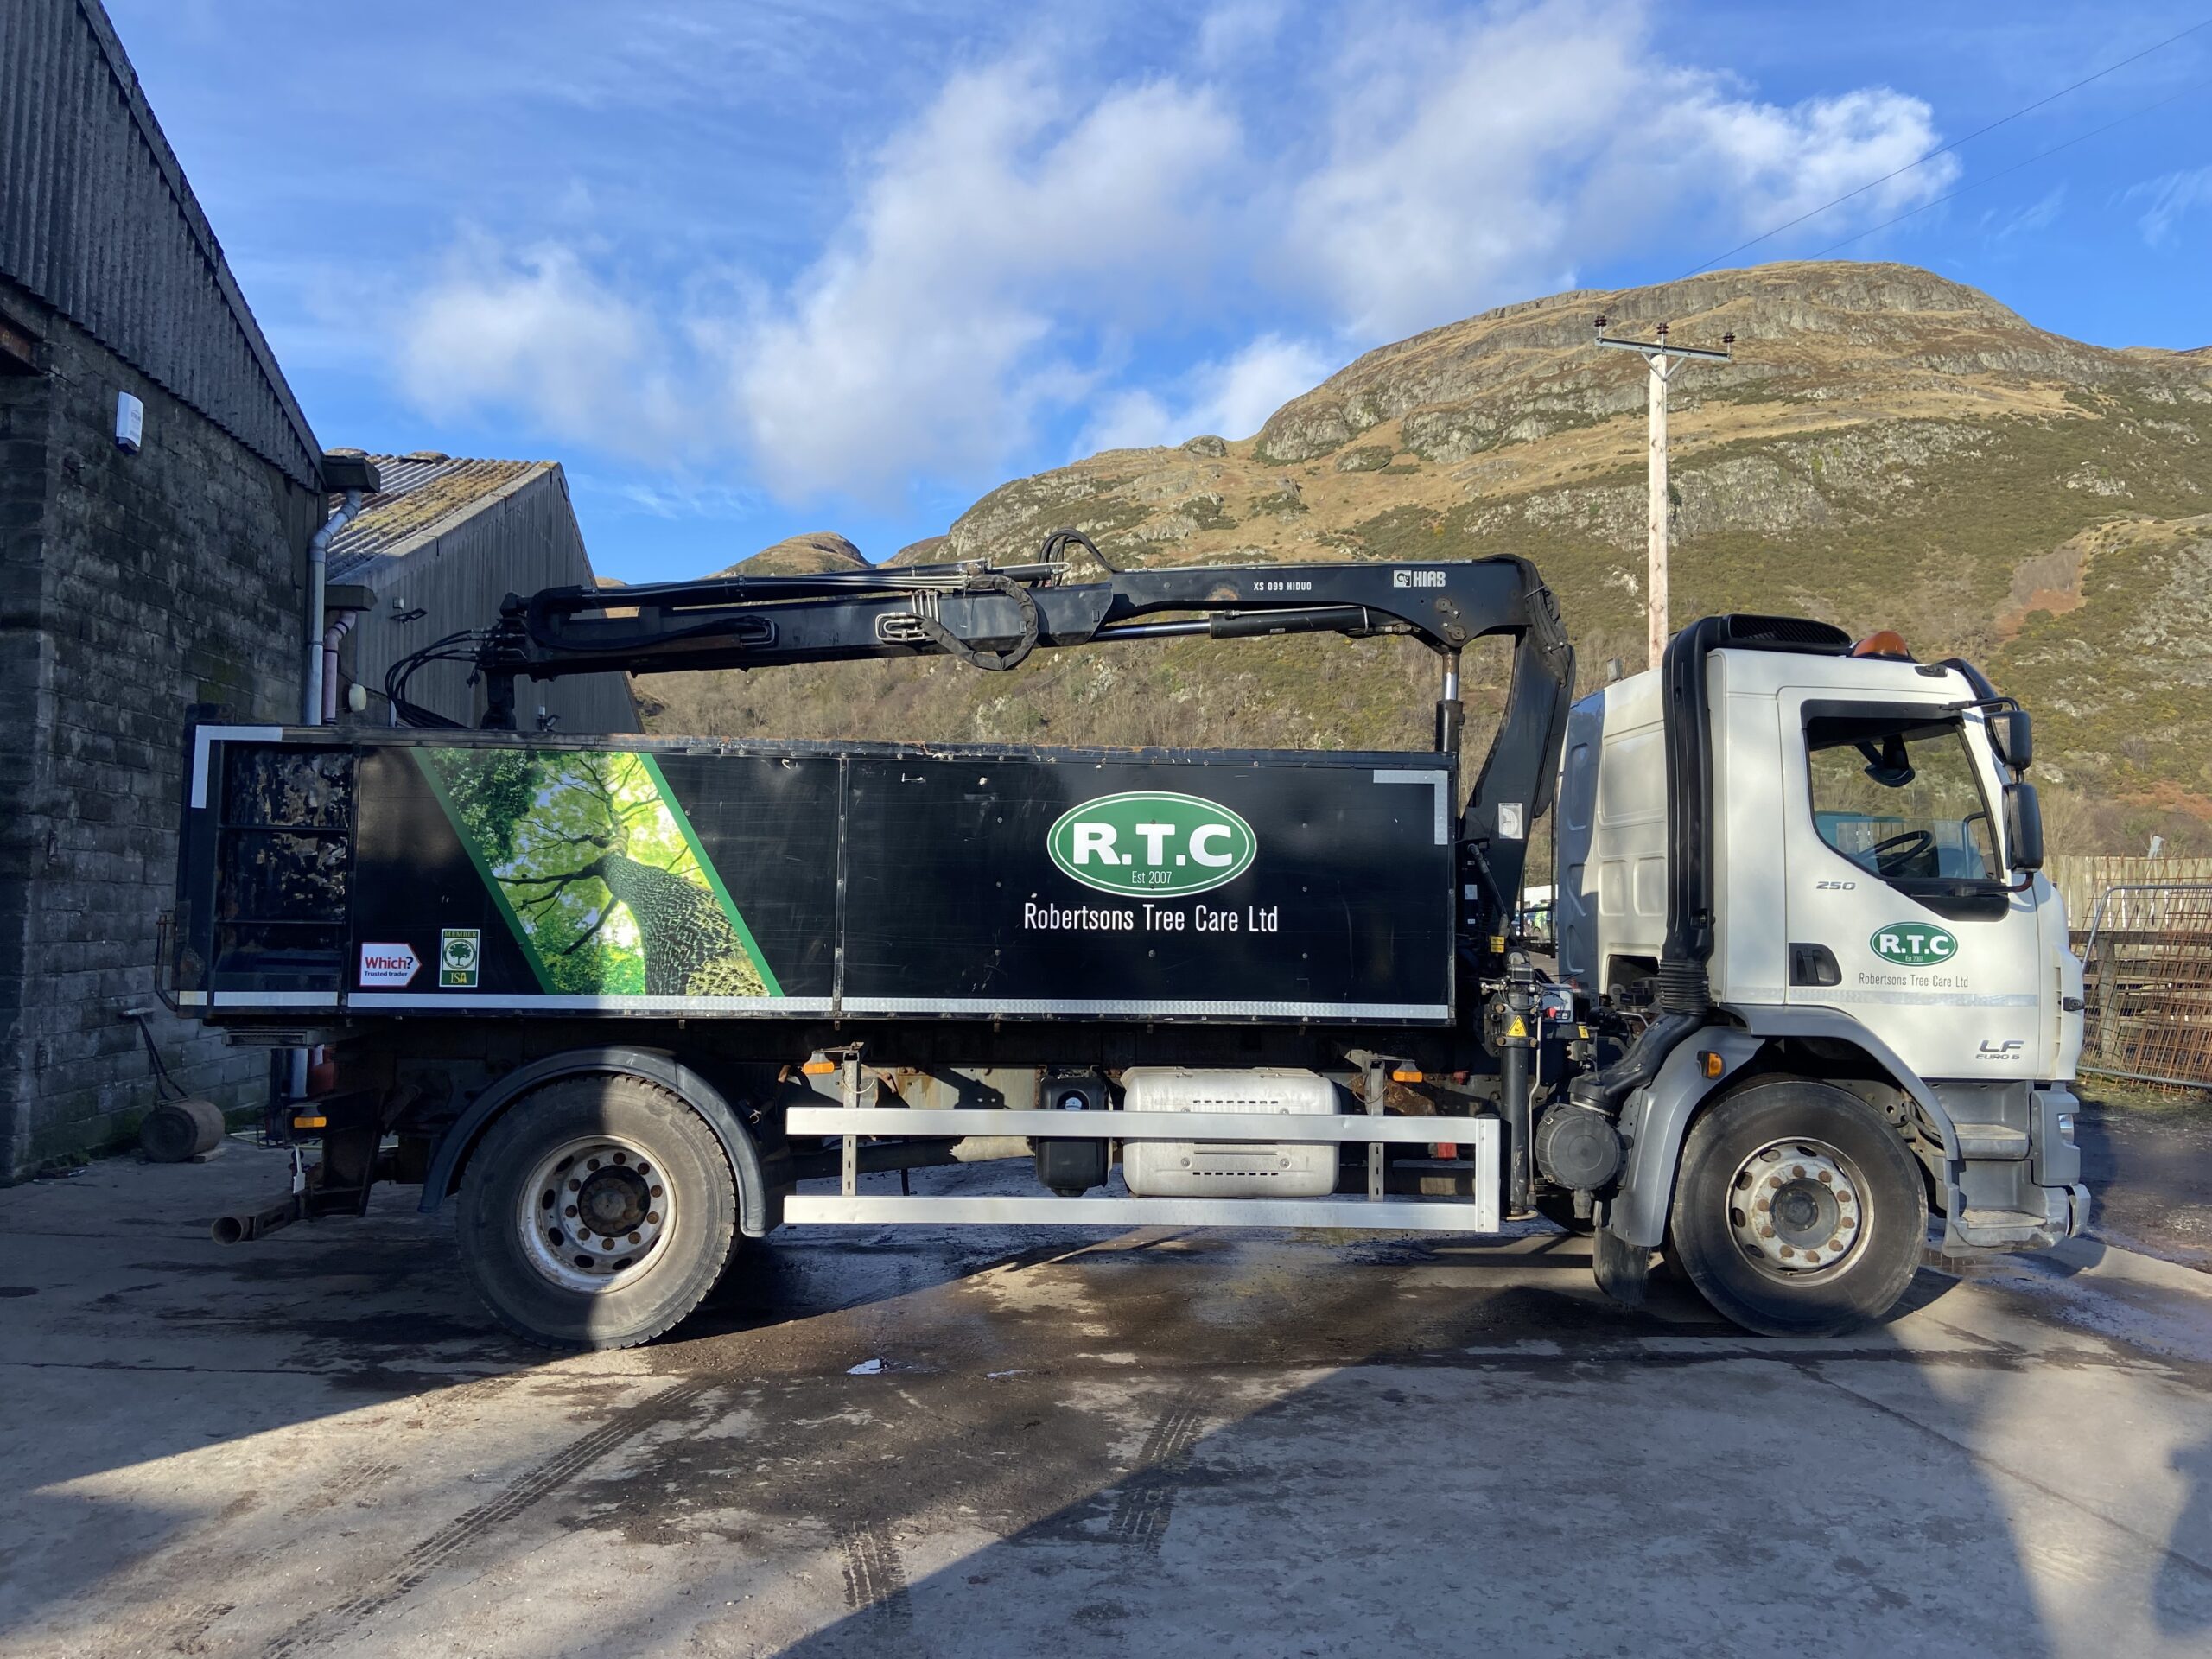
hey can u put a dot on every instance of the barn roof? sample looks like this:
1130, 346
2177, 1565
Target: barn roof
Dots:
97, 221
423, 495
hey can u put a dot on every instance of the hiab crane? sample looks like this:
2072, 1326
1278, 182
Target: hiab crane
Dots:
627, 1002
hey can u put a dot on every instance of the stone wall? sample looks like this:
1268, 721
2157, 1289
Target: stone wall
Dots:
131, 587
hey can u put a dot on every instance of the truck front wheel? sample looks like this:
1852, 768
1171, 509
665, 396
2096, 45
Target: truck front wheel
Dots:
597, 1212
1797, 1210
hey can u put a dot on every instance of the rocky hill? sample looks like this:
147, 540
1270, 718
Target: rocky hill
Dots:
1889, 448
801, 556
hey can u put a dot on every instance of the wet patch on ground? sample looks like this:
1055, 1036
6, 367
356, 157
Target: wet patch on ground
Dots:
2146, 1160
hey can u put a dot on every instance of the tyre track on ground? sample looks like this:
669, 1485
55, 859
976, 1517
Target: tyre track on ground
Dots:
1145, 1501
407, 1573
875, 1576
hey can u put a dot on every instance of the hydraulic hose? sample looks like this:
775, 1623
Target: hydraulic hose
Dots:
995, 662
1606, 1090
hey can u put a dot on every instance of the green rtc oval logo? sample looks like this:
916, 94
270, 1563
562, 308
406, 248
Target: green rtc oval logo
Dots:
1150, 842
1916, 944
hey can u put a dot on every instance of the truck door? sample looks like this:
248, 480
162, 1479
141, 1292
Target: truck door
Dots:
1898, 910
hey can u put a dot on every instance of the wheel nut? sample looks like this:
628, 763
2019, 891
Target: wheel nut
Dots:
570, 1211
653, 1217
1766, 1232
1763, 1205
1787, 1252
1827, 1175
1836, 1243
633, 1238
1796, 1171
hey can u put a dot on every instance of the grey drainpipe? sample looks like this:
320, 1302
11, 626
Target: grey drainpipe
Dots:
318, 563
327, 714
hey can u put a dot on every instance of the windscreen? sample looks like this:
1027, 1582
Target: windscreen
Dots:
1897, 796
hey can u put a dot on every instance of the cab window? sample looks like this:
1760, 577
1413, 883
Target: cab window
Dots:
1896, 795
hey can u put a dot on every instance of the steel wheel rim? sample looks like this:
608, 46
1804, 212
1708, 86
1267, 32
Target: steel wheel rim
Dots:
1798, 1210
595, 1213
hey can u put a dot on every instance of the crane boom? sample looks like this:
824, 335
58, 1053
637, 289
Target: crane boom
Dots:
994, 617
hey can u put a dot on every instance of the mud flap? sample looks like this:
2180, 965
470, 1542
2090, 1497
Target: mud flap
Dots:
1622, 1270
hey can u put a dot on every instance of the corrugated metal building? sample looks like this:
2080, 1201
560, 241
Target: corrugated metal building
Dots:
96, 220
439, 546
134, 582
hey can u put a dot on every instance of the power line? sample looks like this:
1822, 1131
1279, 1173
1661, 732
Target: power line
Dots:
2025, 109
2031, 161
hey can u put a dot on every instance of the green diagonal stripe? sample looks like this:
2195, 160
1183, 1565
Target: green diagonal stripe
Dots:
521, 934
713, 876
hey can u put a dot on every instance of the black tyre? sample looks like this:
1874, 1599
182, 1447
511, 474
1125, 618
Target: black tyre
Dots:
596, 1213
1797, 1211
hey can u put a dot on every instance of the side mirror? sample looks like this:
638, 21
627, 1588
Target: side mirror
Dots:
2023, 826
2013, 736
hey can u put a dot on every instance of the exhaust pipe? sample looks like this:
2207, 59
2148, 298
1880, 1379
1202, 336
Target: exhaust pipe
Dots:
242, 1225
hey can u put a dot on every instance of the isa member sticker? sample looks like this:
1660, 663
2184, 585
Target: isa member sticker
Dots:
388, 967
459, 949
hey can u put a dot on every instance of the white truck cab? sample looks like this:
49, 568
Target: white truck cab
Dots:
1876, 919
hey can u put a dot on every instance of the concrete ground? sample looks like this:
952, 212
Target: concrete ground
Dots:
1144, 1444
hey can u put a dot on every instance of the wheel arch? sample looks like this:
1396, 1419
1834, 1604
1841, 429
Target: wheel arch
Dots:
756, 1204
1769, 1042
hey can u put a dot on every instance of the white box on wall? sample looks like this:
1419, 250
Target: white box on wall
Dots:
130, 423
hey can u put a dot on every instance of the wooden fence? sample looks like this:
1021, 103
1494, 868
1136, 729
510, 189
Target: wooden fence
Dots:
2082, 879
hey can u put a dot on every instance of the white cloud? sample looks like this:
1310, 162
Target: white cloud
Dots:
924, 340
1487, 159
1231, 398
2039, 215
538, 332
1237, 27
1030, 229
2173, 197
671, 497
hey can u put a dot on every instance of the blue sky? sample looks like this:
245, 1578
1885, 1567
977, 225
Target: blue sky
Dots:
750, 270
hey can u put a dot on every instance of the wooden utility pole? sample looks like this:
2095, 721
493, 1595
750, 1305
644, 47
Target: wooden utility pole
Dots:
1656, 356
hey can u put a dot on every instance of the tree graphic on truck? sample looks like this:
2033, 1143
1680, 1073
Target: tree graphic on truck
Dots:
598, 872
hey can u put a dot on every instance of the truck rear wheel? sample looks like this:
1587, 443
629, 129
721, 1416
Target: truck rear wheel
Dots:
597, 1212
1797, 1210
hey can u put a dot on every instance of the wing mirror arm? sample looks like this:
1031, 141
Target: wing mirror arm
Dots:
2011, 734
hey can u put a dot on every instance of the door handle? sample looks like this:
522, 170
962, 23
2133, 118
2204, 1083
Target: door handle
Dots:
1814, 965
